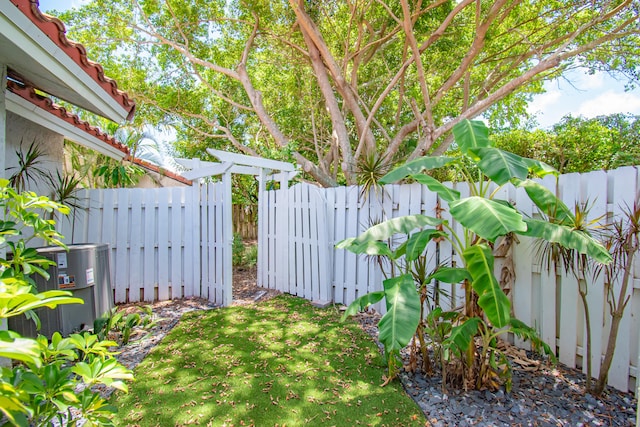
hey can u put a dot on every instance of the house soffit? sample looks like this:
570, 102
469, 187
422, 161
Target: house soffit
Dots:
34, 46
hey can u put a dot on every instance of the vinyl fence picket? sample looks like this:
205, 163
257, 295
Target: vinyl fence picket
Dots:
122, 246
163, 245
149, 251
338, 214
135, 245
571, 315
175, 241
191, 253
352, 230
365, 220
525, 300
548, 319
594, 187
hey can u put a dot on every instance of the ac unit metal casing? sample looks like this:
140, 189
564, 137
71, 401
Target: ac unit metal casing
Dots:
83, 271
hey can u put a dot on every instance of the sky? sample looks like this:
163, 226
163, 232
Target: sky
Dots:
587, 95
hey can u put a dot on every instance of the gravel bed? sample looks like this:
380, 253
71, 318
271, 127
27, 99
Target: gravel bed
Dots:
546, 396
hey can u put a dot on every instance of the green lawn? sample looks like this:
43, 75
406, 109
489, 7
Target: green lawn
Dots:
278, 363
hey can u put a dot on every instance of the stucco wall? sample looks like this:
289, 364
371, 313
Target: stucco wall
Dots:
20, 134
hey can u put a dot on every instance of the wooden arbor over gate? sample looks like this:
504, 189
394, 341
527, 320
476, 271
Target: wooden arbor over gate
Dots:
229, 164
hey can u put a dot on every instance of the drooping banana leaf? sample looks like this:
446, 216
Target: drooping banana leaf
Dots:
487, 218
491, 298
436, 186
461, 335
400, 225
540, 169
399, 324
367, 247
501, 166
547, 202
361, 303
526, 332
567, 237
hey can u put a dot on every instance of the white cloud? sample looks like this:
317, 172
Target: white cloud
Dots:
590, 81
610, 102
542, 102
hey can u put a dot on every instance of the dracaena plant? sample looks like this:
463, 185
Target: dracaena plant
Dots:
47, 378
468, 344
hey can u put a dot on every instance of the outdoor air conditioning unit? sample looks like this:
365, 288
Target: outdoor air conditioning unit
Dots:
83, 271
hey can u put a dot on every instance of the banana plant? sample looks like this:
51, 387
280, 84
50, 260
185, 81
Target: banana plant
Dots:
487, 310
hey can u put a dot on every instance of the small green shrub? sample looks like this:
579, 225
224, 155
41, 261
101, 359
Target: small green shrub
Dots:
250, 256
237, 250
118, 325
47, 378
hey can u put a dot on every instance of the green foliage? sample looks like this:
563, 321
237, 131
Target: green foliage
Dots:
237, 249
118, 175
487, 311
240, 76
29, 169
577, 144
64, 190
118, 325
250, 258
47, 378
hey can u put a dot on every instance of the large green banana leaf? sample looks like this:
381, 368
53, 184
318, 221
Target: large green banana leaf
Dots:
501, 166
399, 324
492, 300
417, 242
471, 134
400, 225
539, 168
461, 336
415, 167
568, 238
487, 218
361, 303
368, 247
436, 186
547, 202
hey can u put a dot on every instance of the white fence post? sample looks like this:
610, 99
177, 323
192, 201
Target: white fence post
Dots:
227, 236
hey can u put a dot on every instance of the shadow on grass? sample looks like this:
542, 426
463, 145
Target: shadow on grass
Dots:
281, 362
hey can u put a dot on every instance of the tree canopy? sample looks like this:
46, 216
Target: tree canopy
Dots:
577, 144
334, 84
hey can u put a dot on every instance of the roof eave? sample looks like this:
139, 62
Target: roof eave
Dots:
67, 72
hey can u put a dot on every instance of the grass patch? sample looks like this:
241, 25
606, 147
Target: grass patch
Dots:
279, 363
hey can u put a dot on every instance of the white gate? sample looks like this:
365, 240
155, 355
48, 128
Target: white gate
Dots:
294, 244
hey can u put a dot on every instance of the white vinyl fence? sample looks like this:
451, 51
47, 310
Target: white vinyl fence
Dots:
165, 242
301, 225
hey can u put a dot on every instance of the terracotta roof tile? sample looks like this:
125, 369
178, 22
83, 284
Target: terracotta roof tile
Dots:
28, 93
56, 31
161, 171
